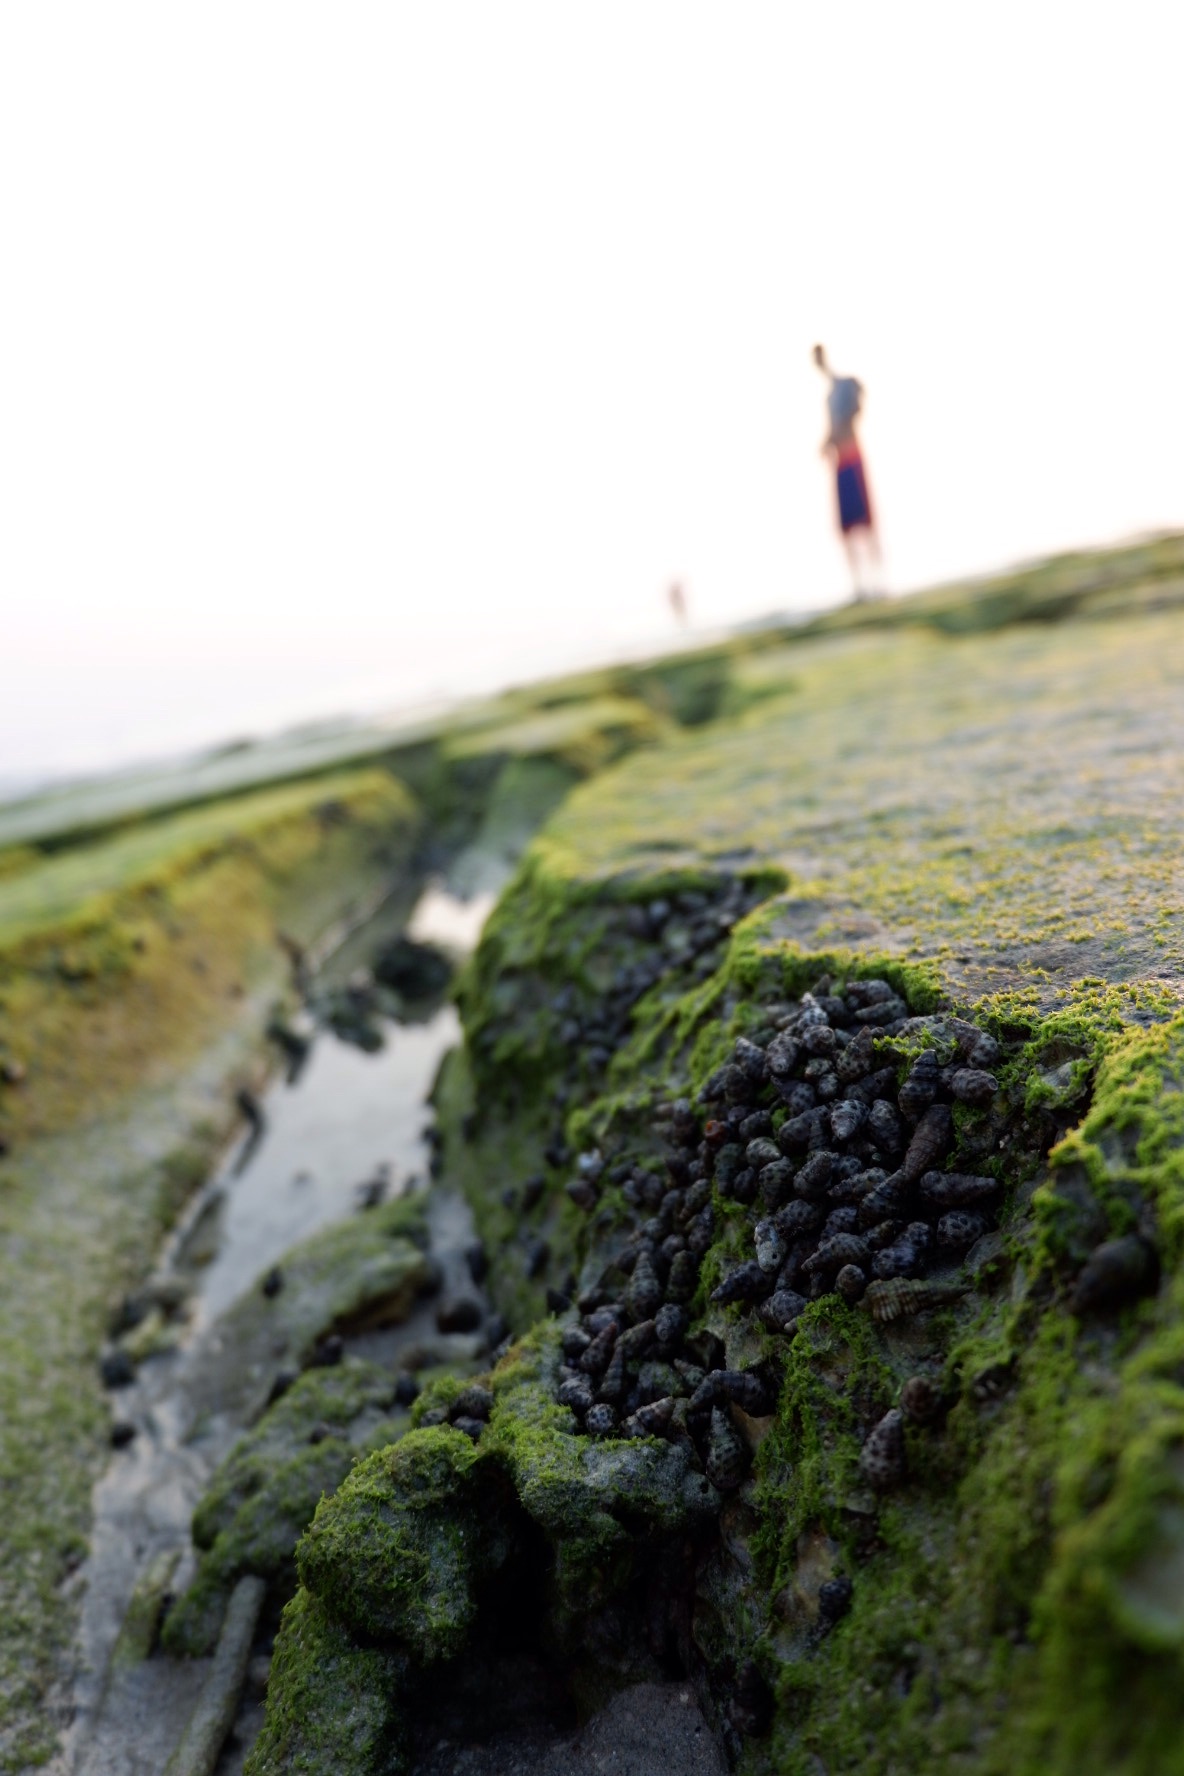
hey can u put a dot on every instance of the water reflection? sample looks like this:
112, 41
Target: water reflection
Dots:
326, 1135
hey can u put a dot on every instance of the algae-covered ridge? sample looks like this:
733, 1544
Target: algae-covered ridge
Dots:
951, 1646
151, 929
984, 826
946, 1536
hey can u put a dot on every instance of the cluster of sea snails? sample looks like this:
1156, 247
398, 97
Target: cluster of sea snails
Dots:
846, 1190
840, 1168
674, 939
670, 940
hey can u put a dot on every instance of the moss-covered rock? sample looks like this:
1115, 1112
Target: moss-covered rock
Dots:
262, 1497
333, 1707
1011, 1603
600, 1505
423, 1538
137, 973
368, 1271
398, 1554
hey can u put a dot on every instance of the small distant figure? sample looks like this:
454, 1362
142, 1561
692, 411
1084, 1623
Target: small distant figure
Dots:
858, 527
678, 601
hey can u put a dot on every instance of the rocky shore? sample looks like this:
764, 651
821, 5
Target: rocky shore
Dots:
782, 1361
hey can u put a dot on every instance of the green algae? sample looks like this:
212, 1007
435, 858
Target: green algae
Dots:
584, 736
368, 1271
138, 928
987, 821
487, 1154
996, 804
986, 824
262, 1497
129, 1053
333, 1706
975, 1623
401, 1548
1094, 583
141, 1623
423, 1537
598, 1504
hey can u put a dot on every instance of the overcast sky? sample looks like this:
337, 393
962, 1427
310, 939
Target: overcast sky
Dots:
352, 354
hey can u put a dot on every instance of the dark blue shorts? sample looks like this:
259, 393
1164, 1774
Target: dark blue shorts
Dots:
854, 506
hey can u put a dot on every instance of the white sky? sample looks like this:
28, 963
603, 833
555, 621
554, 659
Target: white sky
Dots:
355, 353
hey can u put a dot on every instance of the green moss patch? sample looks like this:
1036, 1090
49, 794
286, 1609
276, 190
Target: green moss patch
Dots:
333, 1706
131, 1016
263, 1496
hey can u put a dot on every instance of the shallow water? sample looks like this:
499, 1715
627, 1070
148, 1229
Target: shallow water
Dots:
347, 1118
347, 1115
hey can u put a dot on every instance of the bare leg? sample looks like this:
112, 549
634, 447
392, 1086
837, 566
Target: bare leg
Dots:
876, 558
867, 551
852, 562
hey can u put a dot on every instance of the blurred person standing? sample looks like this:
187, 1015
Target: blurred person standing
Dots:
844, 402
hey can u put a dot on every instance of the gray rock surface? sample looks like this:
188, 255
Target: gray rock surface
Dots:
649, 1730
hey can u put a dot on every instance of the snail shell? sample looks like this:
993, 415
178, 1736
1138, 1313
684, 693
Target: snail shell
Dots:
819, 1040
612, 1382
883, 1125
882, 1459
700, 1231
577, 1394
932, 1139
670, 1324
781, 1056
960, 1228
832, 1254
644, 1294
771, 1245
812, 1181
901, 1296
977, 1048
884, 1203
601, 1420
727, 1457
844, 1219
957, 1190
652, 1420
750, 1059
872, 991
858, 1058
775, 1183
920, 1399
582, 1192
1118, 1270
796, 1133
744, 1389
637, 1339
596, 1358
847, 1117
799, 1217
920, 1088
851, 1282
684, 1275
748, 1282
782, 1309
899, 1260
973, 1085
880, 1084
796, 1094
